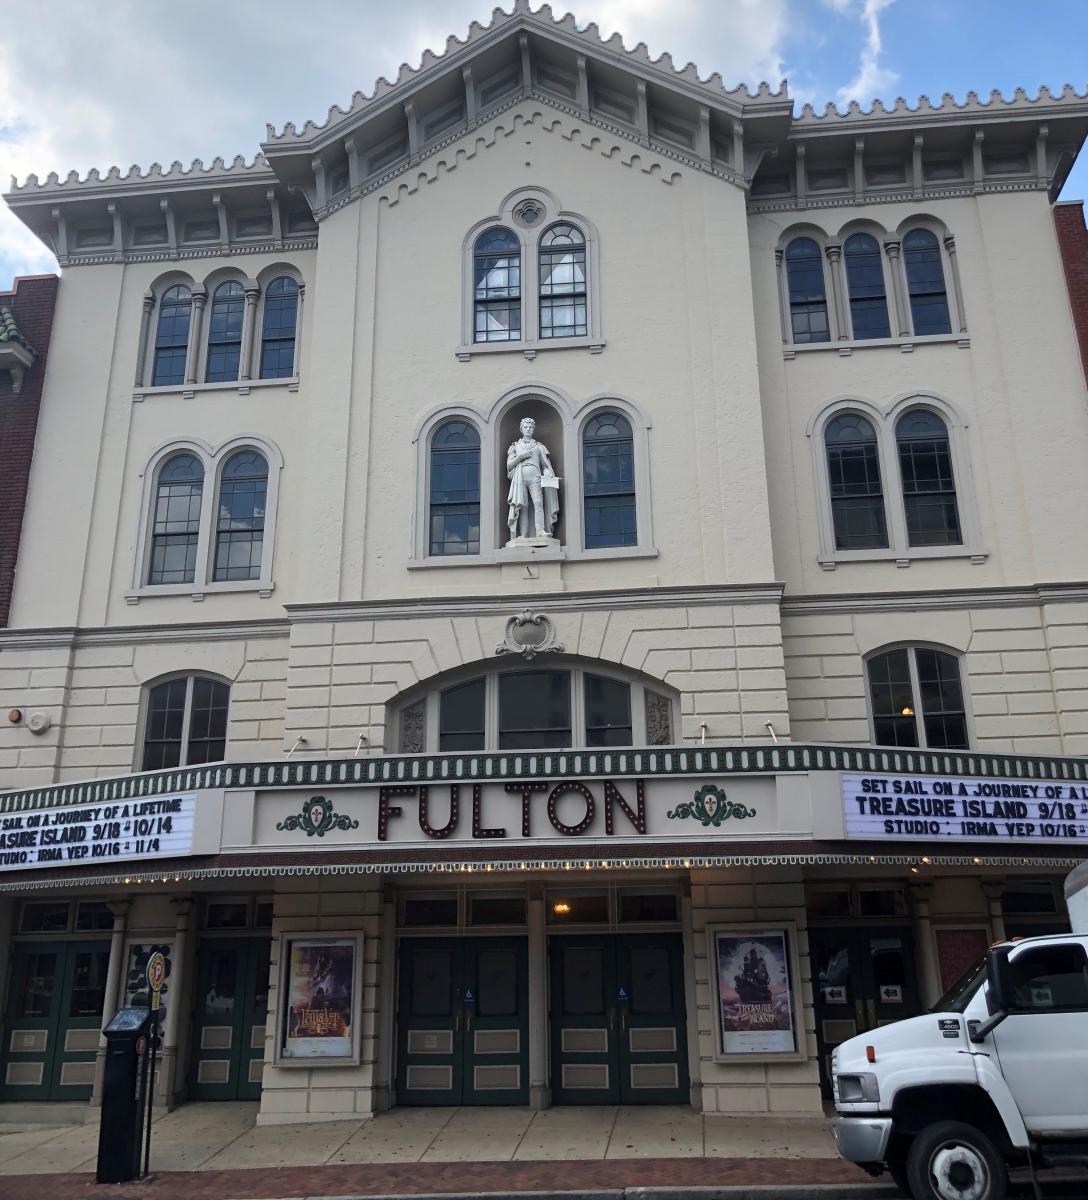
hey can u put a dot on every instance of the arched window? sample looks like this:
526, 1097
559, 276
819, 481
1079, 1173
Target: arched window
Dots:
278, 334
916, 681
455, 489
172, 336
857, 498
925, 283
239, 530
865, 283
608, 473
497, 287
225, 332
176, 525
186, 723
562, 283
808, 296
929, 488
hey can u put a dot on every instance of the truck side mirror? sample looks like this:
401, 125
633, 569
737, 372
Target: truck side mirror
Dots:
1002, 991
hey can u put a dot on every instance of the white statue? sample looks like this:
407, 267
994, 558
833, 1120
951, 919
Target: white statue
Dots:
534, 488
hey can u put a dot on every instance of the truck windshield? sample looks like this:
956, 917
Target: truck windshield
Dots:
959, 995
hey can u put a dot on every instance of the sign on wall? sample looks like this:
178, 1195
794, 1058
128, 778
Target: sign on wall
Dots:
321, 978
159, 827
925, 808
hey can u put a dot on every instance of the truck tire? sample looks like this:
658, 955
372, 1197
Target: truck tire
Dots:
954, 1161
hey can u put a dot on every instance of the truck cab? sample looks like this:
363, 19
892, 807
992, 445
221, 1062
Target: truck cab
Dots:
995, 1076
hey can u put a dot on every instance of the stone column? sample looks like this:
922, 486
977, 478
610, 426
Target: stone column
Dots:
691, 1006
114, 982
540, 1095
893, 247
249, 327
783, 297
167, 1070
842, 332
992, 889
196, 325
145, 331
926, 952
956, 288
384, 1090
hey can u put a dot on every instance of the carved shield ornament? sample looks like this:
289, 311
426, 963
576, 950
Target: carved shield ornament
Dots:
317, 817
710, 807
528, 634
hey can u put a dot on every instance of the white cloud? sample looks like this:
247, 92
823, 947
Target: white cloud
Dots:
872, 79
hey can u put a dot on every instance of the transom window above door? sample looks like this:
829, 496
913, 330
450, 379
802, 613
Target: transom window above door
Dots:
547, 707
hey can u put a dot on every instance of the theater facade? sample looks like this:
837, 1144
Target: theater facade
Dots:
560, 584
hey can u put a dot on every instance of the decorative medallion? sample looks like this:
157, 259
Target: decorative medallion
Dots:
317, 817
529, 634
711, 807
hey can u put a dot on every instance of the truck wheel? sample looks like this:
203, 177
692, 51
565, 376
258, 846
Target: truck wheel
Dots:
898, 1171
954, 1161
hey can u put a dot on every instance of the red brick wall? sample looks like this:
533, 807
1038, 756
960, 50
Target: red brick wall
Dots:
1073, 244
31, 302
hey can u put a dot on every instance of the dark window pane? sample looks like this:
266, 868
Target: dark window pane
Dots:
562, 283
208, 721
278, 335
1028, 896
222, 983
497, 287
833, 971
89, 983
857, 498
225, 332
432, 983
461, 717
172, 337
808, 298
1051, 977
608, 712
583, 981
925, 283
882, 902
608, 472
165, 718
534, 710
497, 910
942, 700
239, 536
889, 967
263, 915
648, 908
455, 490
46, 916
578, 910
231, 914
261, 974
38, 982
93, 915
431, 911
176, 524
651, 980
929, 490
865, 282
893, 702
496, 983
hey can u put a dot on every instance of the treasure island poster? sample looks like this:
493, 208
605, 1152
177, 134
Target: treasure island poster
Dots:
754, 989
319, 1000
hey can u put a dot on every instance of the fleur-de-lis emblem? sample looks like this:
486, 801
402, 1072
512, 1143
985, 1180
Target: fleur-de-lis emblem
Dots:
710, 807
317, 817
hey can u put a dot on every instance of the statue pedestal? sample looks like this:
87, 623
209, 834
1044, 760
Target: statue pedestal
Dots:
533, 543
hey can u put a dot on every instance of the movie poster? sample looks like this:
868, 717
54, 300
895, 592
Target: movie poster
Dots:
320, 985
754, 990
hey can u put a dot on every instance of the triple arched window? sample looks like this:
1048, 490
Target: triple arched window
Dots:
246, 332
867, 289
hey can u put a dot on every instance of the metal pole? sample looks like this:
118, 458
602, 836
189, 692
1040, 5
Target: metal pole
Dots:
151, 1083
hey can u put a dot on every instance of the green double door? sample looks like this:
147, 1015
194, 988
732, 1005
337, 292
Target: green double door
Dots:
56, 995
862, 978
463, 1023
618, 1021
230, 1009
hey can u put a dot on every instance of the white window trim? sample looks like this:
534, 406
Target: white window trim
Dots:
145, 696
531, 343
264, 278
490, 672
487, 421
919, 715
837, 294
213, 460
883, 421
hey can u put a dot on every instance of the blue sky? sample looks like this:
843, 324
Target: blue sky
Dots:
177, 79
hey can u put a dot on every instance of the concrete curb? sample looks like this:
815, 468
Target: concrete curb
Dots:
788, 1191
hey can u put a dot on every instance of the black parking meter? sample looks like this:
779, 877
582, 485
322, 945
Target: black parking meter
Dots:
124, 1091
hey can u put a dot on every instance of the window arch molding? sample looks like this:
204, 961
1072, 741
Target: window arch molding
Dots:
818, 235
528, 213
639, 420
884, 420
218, 279
865, 226
949, 265
928, 726
265, 277
213, 459
149, 324
189, 675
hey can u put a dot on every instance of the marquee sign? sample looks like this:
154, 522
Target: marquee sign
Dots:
910, 808
94, 834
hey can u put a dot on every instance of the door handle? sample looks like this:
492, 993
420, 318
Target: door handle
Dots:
611, 1020
872, 1013
859, 1014
623, 1021
468, 1023
457, 1023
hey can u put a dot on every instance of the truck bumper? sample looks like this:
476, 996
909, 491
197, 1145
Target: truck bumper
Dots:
862, 1139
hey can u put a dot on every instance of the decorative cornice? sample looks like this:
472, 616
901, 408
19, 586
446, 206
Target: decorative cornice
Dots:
817, 200
473, 606
140, 635
135, 181
77, 259
935, 601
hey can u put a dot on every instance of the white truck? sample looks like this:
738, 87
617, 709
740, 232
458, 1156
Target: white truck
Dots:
995, 1076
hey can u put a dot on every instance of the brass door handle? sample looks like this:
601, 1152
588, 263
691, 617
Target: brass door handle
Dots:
457, 1023
623, 1021
468, 1022
611, 1020
872, 1013
859, 1015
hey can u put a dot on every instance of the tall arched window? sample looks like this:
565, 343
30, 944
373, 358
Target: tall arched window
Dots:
186, 723
929, 488
865, 283
239, 530
497, 287
808, 295
278, 334
608, 474
562, 282
172, 336
917, 681
225, 332
176, 525
925, 283
455, 489
857, 498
